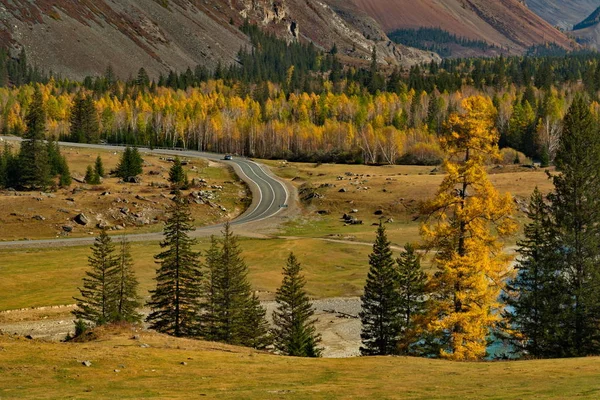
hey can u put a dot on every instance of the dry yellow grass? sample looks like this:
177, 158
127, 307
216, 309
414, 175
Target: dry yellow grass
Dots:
17, 210
395, 190
122, 369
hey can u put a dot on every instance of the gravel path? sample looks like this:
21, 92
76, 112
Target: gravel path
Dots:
338, 324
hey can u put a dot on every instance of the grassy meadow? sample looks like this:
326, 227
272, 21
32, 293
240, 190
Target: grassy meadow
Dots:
46, 277
172, 368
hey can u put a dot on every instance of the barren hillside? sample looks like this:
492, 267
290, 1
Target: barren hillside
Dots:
506, 23
84, 37
563, 13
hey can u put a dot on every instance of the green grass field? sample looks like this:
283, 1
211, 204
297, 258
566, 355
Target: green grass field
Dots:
44, 277
122, 370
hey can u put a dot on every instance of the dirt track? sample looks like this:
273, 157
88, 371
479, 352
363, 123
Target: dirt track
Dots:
337, 323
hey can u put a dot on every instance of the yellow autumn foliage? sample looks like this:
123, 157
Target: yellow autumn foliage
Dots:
466, 222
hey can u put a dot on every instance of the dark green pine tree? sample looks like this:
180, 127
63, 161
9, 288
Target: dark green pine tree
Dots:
99, 167
255, 327
77, 130
34, 168
213, 264
91, 176
127, 300
535, 295
130, 164
58, 163
91, 124
575, 205
295, 332
230, 299
177, 175
412, 285
176, 301
96, 303
381, 303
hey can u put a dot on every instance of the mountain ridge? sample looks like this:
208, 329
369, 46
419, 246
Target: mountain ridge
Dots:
82, 38
507, 24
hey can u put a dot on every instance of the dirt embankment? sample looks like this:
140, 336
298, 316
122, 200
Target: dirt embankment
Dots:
338, 324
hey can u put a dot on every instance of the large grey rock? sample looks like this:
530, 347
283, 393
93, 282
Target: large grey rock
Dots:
81, 219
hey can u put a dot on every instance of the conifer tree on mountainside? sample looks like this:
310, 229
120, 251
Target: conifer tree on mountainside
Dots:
535, 296
575, 205
381, 304
412, 282
34, 168
127, 300
229, 298
294, 333
176, 300
96, 303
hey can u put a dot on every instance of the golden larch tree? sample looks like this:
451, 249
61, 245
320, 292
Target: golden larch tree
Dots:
465, 225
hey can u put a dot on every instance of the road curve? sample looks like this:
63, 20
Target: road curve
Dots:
269, 194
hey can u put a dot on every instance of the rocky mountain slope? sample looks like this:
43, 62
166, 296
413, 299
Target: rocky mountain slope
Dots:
505, 23
587, 31
563, 13
83, 37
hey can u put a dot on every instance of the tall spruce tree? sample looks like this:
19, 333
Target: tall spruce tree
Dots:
412, 282
295, 332
381, 303
96, 303
176, 301
76, 129
127, 300
34, 168
85, 126
535, 295
229, 301
575, 204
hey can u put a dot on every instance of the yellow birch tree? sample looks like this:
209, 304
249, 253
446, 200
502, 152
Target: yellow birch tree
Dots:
465, 225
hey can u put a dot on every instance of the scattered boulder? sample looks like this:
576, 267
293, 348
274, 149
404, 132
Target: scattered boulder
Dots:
86, 363
323, 212
81, 219
132, 179
342, 190
183, 363
354, 211
39, 218
389, 221
105, 193
119, 227
102, 225
378, 212
67, 228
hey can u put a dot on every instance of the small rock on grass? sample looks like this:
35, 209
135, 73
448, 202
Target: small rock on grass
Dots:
86, 363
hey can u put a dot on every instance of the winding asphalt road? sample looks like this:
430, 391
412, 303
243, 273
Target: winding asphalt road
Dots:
269, 194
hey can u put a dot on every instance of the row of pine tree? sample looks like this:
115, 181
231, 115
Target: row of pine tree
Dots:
210, 299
